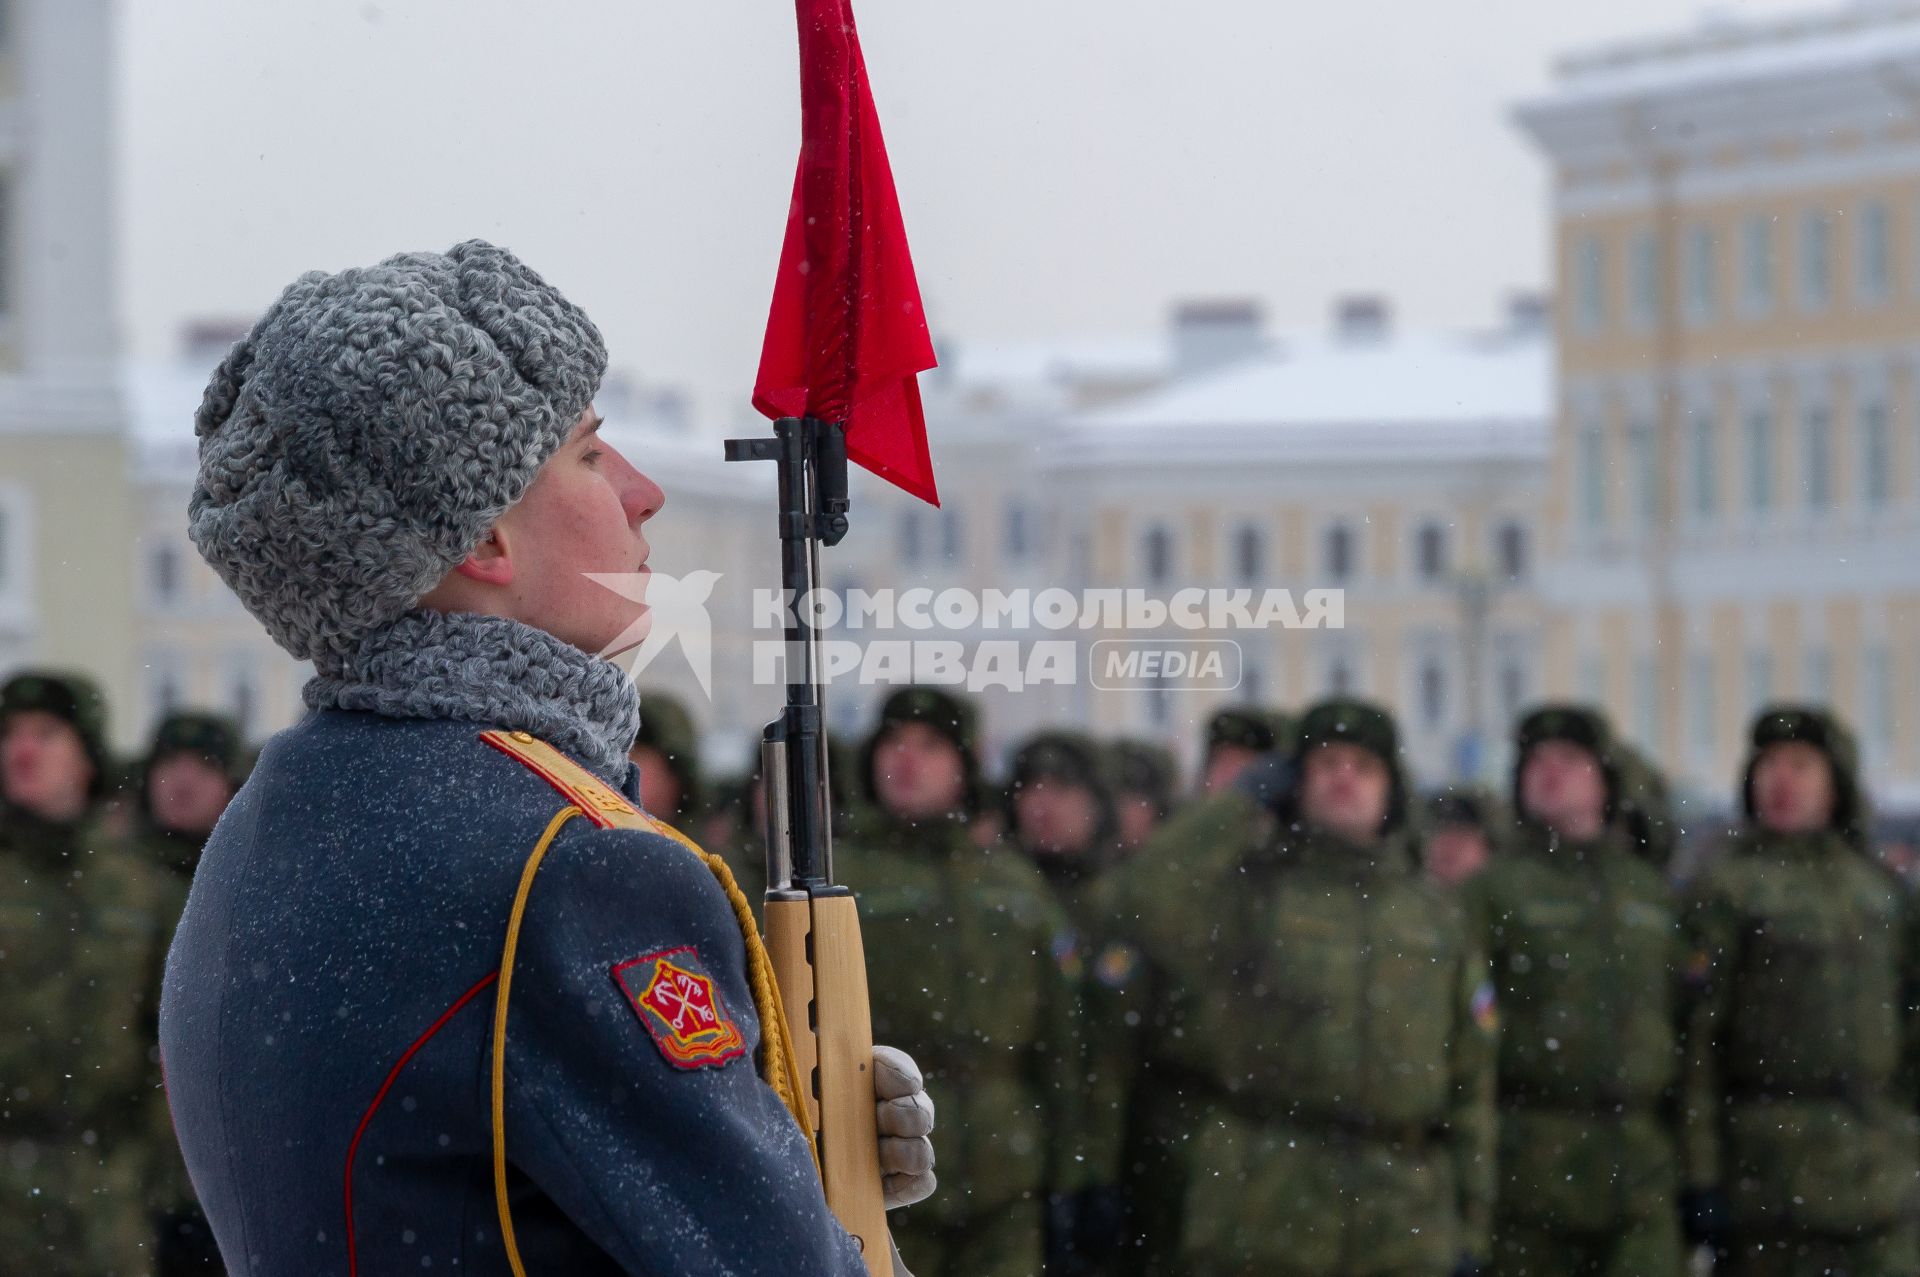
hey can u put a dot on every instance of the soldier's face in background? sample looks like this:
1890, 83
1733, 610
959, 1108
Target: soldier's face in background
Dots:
186, 794
1793, 788
1562, 787
44, 768
1138, 818
583, 513
1456, 853
659, 783
918, 773
1224, 765
1344, 789
1057, 818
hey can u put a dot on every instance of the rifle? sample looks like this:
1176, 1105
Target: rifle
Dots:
812, 923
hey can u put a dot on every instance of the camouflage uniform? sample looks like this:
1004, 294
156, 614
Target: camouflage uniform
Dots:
1585, 944
963, 969
80, 971
1086, 1225
1315, 1094
1806, 965
185, 1242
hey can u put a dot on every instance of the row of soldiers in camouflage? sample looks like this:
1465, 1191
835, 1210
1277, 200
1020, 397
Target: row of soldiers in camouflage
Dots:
95, 862
1247, 1035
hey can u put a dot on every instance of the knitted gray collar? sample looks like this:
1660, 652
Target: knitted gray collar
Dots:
491, 671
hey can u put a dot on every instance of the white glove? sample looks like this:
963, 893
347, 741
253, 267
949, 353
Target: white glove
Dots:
905, 1121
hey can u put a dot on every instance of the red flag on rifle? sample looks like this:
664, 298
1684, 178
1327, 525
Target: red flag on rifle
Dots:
847, 333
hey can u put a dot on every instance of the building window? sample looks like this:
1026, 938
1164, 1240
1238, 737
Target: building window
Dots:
1819, 458
1816, 261
1019, 533
1433, 693
6, 551
1704, 466
1593, 680
1759, 680
164, 693
1339, 548
1643, 279
6, 243
1699, 273
1873, 264
952, 534
1249, 553
911, 550
1876, 453
1510, 550
1756, 263
1430, 552
164, 565
1646, 700
1819, 675
1593, 476
243, 693
1339, 677
1705, 712
1646, 470
1590, 284
1759, 460
1513, 687
1157, 553
1876, 696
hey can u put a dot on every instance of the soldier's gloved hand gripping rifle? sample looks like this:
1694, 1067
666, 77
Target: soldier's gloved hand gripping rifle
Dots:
844, 340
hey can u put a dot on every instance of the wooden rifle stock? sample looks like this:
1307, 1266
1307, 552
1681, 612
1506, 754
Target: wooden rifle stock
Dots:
812, 926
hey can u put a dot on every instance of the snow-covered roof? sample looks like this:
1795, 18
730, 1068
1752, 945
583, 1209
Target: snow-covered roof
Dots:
1046, 373
1326, 397
1725, 54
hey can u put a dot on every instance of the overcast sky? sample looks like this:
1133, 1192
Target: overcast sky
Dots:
1066, 167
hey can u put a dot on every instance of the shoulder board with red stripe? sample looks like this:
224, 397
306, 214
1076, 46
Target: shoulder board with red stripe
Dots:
597, 801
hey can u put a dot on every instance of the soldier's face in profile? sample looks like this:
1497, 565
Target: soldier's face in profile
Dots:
1224, 765
1793, 788
1057, 818
1344, 789
186, 794
1562, 787
918, 773
659, 783
44, 768
583, 513
1139, 817
1455, 853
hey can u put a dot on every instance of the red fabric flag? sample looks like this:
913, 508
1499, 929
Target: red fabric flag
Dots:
847, 333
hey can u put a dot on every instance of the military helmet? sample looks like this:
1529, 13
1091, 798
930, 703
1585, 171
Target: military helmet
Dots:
1821, 728
73, 698
667, 727
1352, 721
1469, 806
1580, 725
1247, 726
1142, 769
213, 737
945, 712
1068, 758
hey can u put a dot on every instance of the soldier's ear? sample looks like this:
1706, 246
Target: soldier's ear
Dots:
490, 562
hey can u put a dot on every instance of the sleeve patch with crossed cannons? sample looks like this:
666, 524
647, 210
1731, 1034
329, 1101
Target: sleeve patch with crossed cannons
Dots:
680, 1007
